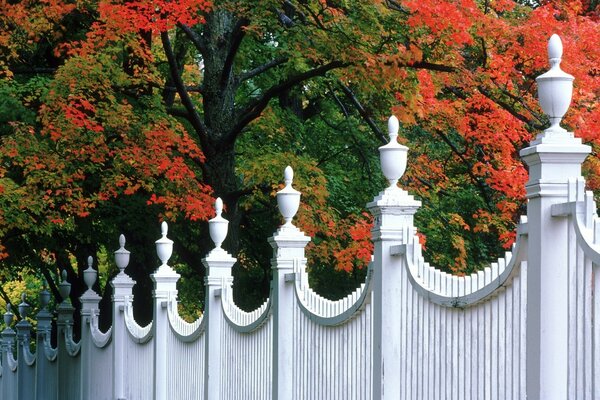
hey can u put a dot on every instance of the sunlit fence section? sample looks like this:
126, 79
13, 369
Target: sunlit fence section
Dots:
526, 327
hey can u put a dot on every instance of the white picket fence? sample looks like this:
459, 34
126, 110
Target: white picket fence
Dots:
525, 327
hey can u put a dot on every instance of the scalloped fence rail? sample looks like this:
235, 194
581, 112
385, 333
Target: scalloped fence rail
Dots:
526, 327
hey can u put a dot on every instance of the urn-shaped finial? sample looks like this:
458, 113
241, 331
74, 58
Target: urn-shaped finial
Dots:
64, 287
555, 87
288, 198
8, 316
217, 226
44, 298
164, 245
122, 255
90, 274
393, 155
24, 307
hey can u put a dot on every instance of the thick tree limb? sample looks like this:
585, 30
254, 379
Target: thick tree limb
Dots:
255, 108
236, 40
194, 117
363, 113
431, 66
196, 39
261, 69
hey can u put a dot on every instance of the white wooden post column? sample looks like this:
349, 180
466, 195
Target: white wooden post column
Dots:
165, 290
7, 347
218, 265
66, 347
122, 286
89, 311
44, 350
393, 211
553, 157
288, 251
25, 377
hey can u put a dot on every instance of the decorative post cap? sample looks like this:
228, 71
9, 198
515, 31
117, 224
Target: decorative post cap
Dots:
555, 87
164, 245
217, 226
122, 255
393, 155
23, 307
64, 287
8, 316
90, 275
44, 298
288, 198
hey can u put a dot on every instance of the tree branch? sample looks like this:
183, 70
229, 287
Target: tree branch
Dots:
255, 108
261, 68
363, 113
236, 40
196, 39
194, 117
431, 66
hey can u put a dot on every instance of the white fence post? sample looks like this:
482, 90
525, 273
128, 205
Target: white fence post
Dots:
218, 265
43, 377
122, 286
89, 310
288, 250
165, 290
553, 157
7, 346
64, 324
393, 211
25, 376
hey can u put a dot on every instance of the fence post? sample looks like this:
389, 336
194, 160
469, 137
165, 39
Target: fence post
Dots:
553, 157
122, 286
42, 367
7, 346
65, 346
393, 211
288, 251
165, 290
89, 311
25, 380
218, 265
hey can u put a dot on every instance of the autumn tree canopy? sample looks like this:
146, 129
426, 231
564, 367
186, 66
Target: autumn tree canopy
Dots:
117, 114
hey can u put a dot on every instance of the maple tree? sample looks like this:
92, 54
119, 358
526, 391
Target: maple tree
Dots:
119, 112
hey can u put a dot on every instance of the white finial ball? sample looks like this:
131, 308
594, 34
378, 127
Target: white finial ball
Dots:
90, 261
164, 228
555, 47
393, 125
218, 206
122, 240
288, 175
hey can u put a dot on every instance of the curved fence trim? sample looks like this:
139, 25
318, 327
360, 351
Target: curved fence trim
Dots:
185, 331
29, 357
99, 338
49, 351
331, 312
240, 320
72, 347
139, 334
461, 291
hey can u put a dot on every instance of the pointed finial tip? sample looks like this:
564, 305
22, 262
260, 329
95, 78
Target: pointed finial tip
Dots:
288, 174
90, 261
555, 47
23, 296
122, 240
8, 307
164, 228
393, 125
218, 206
64, 274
